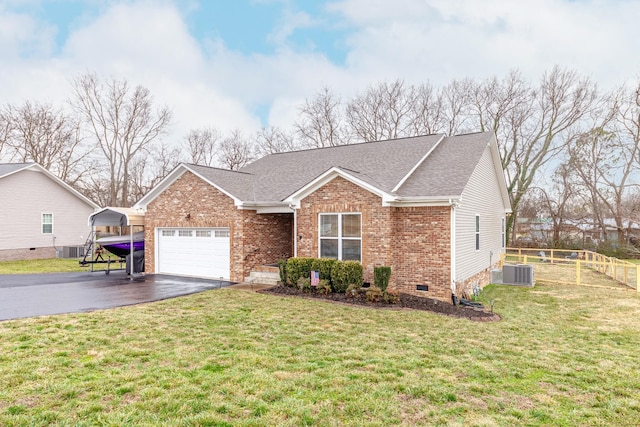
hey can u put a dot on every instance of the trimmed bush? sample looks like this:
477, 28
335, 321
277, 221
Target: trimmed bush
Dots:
345, 273
374, 294
282, 269
391, 296
297, 268
304, 283
353, 290
323, 266
324, 287
381, 277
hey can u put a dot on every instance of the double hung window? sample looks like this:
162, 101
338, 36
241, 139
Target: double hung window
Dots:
341, 236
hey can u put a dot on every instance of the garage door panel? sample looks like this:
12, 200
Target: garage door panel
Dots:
193, 252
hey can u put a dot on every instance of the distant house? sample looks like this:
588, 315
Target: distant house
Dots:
39, 213
431, 207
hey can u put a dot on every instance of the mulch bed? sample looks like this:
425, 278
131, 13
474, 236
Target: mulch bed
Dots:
406, 301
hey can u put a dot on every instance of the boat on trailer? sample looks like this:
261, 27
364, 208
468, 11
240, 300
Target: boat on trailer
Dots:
121, 245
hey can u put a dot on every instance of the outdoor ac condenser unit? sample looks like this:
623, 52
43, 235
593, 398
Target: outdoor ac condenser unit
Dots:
517, 274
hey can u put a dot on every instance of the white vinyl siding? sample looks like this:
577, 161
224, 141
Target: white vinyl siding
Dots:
25, 196
479, 221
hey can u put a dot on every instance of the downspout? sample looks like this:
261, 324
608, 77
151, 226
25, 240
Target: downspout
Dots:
453, 246
295, 231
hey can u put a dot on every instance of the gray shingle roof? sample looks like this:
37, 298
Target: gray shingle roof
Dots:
8, 168
447, 170
383, 165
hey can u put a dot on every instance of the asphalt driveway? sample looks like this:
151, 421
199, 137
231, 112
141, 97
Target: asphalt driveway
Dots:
29, 295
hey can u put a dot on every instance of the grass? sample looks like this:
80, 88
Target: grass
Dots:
49, 265
562, 356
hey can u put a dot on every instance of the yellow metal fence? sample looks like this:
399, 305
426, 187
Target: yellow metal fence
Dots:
577, 267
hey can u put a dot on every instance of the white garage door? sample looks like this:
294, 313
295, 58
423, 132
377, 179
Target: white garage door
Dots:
198, 252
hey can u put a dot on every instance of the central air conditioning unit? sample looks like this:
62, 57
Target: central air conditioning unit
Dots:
517, 274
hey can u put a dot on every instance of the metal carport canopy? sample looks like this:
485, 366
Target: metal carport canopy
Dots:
121, 217
116, 216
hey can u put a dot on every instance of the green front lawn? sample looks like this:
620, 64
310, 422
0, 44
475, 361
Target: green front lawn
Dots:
561, 356
52, 265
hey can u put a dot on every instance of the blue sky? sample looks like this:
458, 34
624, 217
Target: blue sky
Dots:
250, 63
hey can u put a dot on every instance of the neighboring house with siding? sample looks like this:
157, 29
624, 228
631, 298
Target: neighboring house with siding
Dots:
431, 207
39, 213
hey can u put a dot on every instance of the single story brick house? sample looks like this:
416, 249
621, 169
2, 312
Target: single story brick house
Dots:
40, 214
431, 207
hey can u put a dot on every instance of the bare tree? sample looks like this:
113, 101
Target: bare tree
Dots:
532, 125
384, 111
605, 164
273, 140
5, 130
428, 115
235, 151
200, 145
122, 123
45, 135
320, 121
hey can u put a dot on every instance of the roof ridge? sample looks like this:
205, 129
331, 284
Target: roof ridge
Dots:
356, 144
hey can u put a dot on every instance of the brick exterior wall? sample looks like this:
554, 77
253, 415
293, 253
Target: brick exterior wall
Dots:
422, 250
191, 202
414, 241
27, 253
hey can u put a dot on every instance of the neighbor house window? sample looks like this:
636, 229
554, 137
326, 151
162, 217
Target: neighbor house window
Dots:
504, 233
477, 232
47, 223
341, 236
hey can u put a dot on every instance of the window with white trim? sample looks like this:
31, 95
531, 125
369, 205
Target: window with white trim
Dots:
203, 233
504, 233
222, 233
340, 236
477, 232
185, 233
47, 223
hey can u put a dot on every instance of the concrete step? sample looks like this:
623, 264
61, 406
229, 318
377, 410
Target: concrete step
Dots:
263, 278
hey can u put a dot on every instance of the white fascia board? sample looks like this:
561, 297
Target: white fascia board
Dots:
63, 184
425, 201
417, 165
295, 198
267, 207
502, 181
171, 178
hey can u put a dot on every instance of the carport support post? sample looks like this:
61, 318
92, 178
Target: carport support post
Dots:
130, 252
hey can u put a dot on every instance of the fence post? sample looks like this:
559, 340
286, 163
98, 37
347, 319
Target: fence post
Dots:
525, 259
638, 278
578, 272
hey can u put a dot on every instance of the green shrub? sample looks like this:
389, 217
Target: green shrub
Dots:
304, 283
391, 297
323, 266
345, 273
381, 277
297, 268
282, 269
353, 290
374, 294
324, 287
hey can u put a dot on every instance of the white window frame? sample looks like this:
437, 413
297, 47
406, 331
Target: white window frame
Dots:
340, 238
43, 223
477, 232
504, 232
